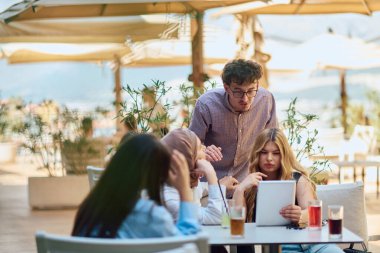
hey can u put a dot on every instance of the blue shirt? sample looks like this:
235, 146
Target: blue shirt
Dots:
148, 220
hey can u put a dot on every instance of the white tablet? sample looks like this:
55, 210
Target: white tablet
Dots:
271, 197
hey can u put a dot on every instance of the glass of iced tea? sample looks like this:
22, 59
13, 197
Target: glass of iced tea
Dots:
237, 220
315, 214
335, 213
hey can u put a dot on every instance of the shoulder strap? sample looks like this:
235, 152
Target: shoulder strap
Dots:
296, 176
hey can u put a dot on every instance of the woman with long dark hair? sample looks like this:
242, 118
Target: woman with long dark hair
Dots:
126, 202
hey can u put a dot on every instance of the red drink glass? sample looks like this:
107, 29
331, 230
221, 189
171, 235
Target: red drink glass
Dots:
315, 214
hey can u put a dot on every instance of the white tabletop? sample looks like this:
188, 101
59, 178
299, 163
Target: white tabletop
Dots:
275, 235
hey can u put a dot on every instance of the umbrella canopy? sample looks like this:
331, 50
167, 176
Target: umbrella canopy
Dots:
339, 52
90, 30
329, 51
325, 51
31, 9
304, 7
26, 10
153, 53
48, 52
170, 53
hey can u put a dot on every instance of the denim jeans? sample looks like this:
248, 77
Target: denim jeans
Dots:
311, 248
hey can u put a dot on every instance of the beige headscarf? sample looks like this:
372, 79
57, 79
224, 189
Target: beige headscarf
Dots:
185, 141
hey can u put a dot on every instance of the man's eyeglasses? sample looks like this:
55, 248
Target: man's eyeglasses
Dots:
240, 94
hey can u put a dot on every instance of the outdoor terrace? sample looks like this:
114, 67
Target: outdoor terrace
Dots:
19, 222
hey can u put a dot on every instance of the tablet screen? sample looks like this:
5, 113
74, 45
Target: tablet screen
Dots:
271, 197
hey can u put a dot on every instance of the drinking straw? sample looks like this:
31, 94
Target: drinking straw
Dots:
224, 201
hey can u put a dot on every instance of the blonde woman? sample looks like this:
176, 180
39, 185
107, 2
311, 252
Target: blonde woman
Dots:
272, 158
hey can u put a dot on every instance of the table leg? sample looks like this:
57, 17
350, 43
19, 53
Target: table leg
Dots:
272, 248
340, 174
363, 174
377, 182
354, 168
246, 248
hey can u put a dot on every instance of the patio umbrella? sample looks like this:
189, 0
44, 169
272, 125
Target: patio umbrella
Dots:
328, 51
26, 10
53, 52
153, 53
31, 9
156, 53
90, 30
333, 51
304, 7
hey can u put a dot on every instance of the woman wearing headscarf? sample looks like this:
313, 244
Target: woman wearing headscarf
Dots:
186, 142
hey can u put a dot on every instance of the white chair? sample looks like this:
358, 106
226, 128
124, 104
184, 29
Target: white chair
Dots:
94, 174
186, 248
49, 243
351, 196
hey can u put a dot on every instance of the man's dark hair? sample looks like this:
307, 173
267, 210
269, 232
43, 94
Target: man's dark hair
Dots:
241, 72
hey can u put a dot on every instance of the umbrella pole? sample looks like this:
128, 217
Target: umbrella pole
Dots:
118, 95
343, 96
259, 56
197, 50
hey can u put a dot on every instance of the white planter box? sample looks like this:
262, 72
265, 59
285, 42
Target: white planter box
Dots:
8, 152
57, 192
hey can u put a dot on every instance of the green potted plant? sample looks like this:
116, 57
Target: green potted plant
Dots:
8, 147
304, 142
82, 150
152, 115
42, 131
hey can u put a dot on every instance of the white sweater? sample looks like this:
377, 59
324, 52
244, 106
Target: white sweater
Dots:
210, 214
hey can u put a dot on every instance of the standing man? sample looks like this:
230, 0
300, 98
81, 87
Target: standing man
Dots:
227, 120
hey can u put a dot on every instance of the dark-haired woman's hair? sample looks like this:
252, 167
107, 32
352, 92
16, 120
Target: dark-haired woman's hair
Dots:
141, 162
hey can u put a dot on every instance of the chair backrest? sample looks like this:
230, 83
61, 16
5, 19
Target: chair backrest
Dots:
351, 196
48, 243
94, 174
186, 248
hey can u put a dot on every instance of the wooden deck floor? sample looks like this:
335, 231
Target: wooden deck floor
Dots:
19, 223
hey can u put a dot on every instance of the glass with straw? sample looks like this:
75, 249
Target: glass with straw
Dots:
225, 219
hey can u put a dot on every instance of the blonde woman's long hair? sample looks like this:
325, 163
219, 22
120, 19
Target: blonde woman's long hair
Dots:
289, 163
